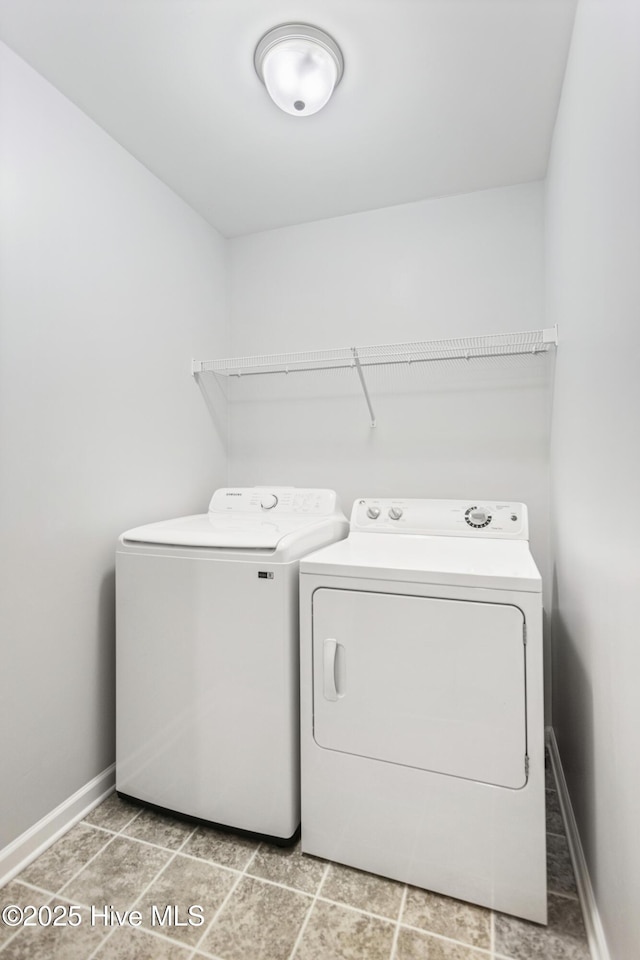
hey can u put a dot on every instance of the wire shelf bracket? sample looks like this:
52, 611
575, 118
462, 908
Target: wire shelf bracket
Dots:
526, 343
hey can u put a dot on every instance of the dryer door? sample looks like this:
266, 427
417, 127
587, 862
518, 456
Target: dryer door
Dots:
428, 683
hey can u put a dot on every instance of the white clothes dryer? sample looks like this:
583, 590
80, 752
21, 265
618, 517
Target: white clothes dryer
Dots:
422, 701
207, 670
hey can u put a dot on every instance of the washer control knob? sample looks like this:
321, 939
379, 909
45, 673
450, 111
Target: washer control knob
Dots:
395, 513
373, 512
268, 501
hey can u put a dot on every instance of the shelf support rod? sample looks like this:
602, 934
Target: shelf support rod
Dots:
363, 384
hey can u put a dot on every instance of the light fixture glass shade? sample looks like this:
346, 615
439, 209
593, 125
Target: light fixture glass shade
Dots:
300, 66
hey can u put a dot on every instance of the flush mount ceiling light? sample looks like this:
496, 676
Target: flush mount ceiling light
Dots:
300, 66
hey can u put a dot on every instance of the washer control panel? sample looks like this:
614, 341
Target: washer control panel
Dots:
274, 500
453, 518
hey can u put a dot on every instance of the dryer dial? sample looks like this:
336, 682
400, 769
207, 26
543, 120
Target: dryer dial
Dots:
395, 513
373, 512
268, 501
477, 517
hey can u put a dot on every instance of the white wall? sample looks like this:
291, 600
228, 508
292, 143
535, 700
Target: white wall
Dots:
110, 284
593, 231
457, 266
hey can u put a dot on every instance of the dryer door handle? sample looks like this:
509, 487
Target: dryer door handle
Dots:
333, 670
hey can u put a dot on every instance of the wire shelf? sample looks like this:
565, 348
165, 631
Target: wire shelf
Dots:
419, 351
525, 343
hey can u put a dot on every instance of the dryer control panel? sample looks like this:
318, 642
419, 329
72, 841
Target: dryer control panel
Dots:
442, 518
274, 501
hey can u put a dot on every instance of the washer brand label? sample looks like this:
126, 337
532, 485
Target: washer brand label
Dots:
265, 575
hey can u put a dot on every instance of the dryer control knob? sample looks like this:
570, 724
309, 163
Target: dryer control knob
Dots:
373, 512
395, 513
477, 517
269, 501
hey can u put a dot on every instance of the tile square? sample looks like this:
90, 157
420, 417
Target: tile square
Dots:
337, 933
563, 939
560, 877
183, 884
365, 891
112, 814
118, 875
261, 921
219, 846
53, 868
289, 866
412, 945
448, 917
55, 942
164, 831
129, 943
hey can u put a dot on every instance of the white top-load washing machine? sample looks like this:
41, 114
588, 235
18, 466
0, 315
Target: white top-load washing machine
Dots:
422, 701
207, 671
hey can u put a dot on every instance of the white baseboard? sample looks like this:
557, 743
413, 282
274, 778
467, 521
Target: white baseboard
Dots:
592, 922
34, 841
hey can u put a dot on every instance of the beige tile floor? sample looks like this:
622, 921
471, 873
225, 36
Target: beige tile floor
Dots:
260, 902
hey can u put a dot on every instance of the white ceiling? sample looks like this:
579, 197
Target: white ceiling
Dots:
439, 97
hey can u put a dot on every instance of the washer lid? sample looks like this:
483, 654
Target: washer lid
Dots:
222, 530
455, 561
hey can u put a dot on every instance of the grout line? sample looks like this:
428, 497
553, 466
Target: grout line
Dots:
234, 886
15, 933
187, 838
348, 906
563, 896
143, 930
486, 951
59, 891
253, 876
161, 870
190, 856
396, 932
120, 832
144, 890
308, 914
38, 889
204, 953
94, 826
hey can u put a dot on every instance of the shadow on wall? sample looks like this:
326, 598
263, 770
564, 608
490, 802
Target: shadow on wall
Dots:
572, 713
437, 434
547, 659
215, 398
105, 677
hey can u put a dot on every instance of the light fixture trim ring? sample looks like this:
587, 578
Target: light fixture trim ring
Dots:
298, 31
